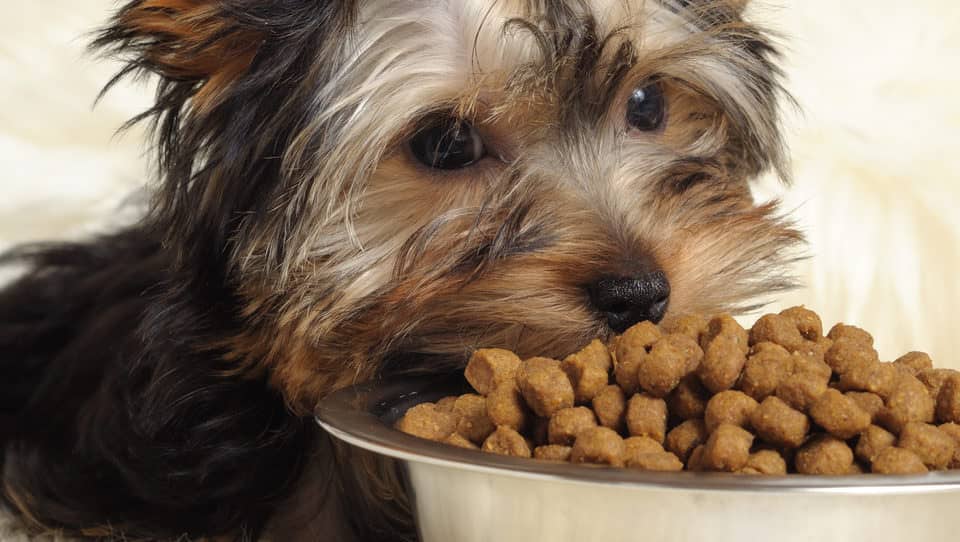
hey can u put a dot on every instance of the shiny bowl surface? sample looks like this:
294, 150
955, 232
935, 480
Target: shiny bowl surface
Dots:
468, 496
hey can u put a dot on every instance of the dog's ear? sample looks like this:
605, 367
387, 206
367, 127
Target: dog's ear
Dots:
187, 41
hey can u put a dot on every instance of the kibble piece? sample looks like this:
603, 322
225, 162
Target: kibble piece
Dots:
647, 417
848, 354
953, 431
552, 453
610, 406
689, 400
824, 455
934, 379
596, 353
425, 421
641, 445
933, 446
815, 350
727, 449
695, 462
725, 325
723, 361
505, 407
586, 374
881, 379
672, 358
895, 460
807, 383
491, 367
631, 351
733, 407
808, 322
691, 325
474, 422
870, 403
909, 402
873, 440
915, 362
777, 329
656, 462
840, 415
599, 445
948, 400
544, 386
446, 404
684, 438
766, 367
567, 423
767, 462
779, 424
506, 441
852, 332
461, 441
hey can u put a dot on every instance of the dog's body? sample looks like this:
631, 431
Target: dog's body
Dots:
353, 190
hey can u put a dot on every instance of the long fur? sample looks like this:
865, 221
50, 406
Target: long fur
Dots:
163, 376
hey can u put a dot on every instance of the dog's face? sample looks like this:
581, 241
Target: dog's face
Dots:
386, 185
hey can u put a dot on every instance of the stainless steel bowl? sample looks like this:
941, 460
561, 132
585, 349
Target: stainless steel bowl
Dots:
467, 496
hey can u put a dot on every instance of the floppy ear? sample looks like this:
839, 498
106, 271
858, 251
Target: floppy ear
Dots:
186, 41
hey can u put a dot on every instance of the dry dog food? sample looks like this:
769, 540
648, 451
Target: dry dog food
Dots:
705, 394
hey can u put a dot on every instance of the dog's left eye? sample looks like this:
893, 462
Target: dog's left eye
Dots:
448, 143
646, 108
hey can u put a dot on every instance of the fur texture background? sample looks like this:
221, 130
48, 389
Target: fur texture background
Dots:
876, 169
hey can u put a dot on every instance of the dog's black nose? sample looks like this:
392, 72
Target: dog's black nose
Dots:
628, 301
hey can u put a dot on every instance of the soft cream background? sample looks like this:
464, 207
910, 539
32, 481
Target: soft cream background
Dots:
876, 160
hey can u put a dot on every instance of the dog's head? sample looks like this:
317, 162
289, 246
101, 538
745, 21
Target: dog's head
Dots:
385, 185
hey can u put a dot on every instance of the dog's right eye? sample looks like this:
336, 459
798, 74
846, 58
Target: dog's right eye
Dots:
447, 143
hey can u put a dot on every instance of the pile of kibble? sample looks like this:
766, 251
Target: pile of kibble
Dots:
707, 395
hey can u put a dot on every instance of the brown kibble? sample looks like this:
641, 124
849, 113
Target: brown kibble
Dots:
934, 379
641, 445
873, 440
655, 462
597, 354
824, 455
723, 361
488, 368
461, 441
840, 415
552, 453
816, 351
915, 362
474, 423
779, 424
689, 400
425, 421
808, 382
672, 358
727, 449
726, 326
647, 417
684, 438
848, 354
953, 431
870, 403
880, 379
895, 460
446, 404
766, 367
544, 386
933, 446
506, 441
567, 423
766, 462
733, 407
909, 402
610, 406
852, 332
505, 407
808, 323
948, 400
631, 351
777, 329
586, 374
599, 445
691, 325
695, 462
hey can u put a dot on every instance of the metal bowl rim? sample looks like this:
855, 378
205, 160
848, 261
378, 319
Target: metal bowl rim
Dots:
346, 415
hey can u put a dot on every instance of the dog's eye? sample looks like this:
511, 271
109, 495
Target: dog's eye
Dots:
646, 108
447, 144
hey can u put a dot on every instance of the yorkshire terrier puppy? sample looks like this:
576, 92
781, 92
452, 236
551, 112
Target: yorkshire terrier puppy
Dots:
351, 190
